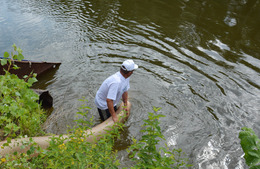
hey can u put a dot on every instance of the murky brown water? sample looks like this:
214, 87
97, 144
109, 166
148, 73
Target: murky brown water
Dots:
199, 61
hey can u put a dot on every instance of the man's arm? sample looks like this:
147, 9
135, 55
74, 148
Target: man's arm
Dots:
125, 97
110, 105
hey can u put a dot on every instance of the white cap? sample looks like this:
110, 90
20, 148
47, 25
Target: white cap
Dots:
129, 65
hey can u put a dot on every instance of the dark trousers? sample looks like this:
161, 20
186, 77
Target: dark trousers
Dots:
105, 114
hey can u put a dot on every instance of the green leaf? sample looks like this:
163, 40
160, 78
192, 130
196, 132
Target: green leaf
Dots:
254, 153
19, 50
9, 140
14, 46
3, 62
15, 67
15, 56
251, 160
17, 94
6, 55
156, 108
6, 144
255, 167
20, 57
250, 145
32, 80
31, 150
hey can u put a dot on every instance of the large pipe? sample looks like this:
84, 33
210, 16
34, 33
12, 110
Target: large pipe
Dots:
93, 134
45, 99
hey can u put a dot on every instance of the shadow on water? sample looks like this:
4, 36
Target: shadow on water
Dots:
45, 79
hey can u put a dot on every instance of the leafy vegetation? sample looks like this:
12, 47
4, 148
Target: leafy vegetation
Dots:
250, 144
20, 114
76, 152
145, 153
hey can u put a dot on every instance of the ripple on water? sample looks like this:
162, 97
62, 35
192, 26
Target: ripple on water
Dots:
2, 19
190, 63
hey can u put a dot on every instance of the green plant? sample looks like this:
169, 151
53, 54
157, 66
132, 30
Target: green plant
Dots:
250, 144
20, 114
75, 151
146, 154
20, 160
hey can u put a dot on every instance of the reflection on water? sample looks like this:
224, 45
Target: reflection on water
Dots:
198, 60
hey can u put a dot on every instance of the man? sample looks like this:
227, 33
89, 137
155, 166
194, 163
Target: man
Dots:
113, 89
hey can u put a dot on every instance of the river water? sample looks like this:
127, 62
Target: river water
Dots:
198, 60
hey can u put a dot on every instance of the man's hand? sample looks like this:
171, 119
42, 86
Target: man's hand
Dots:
115, 118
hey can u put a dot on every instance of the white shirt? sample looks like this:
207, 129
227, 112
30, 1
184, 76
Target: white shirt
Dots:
112, 88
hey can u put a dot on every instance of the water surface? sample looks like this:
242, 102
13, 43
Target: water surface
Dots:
198, 60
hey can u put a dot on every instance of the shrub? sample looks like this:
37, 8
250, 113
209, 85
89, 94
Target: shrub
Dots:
76, 152
20, 114
250, 144
73, 151
145, 153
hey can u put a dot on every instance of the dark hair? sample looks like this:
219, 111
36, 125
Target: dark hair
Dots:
124, 71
